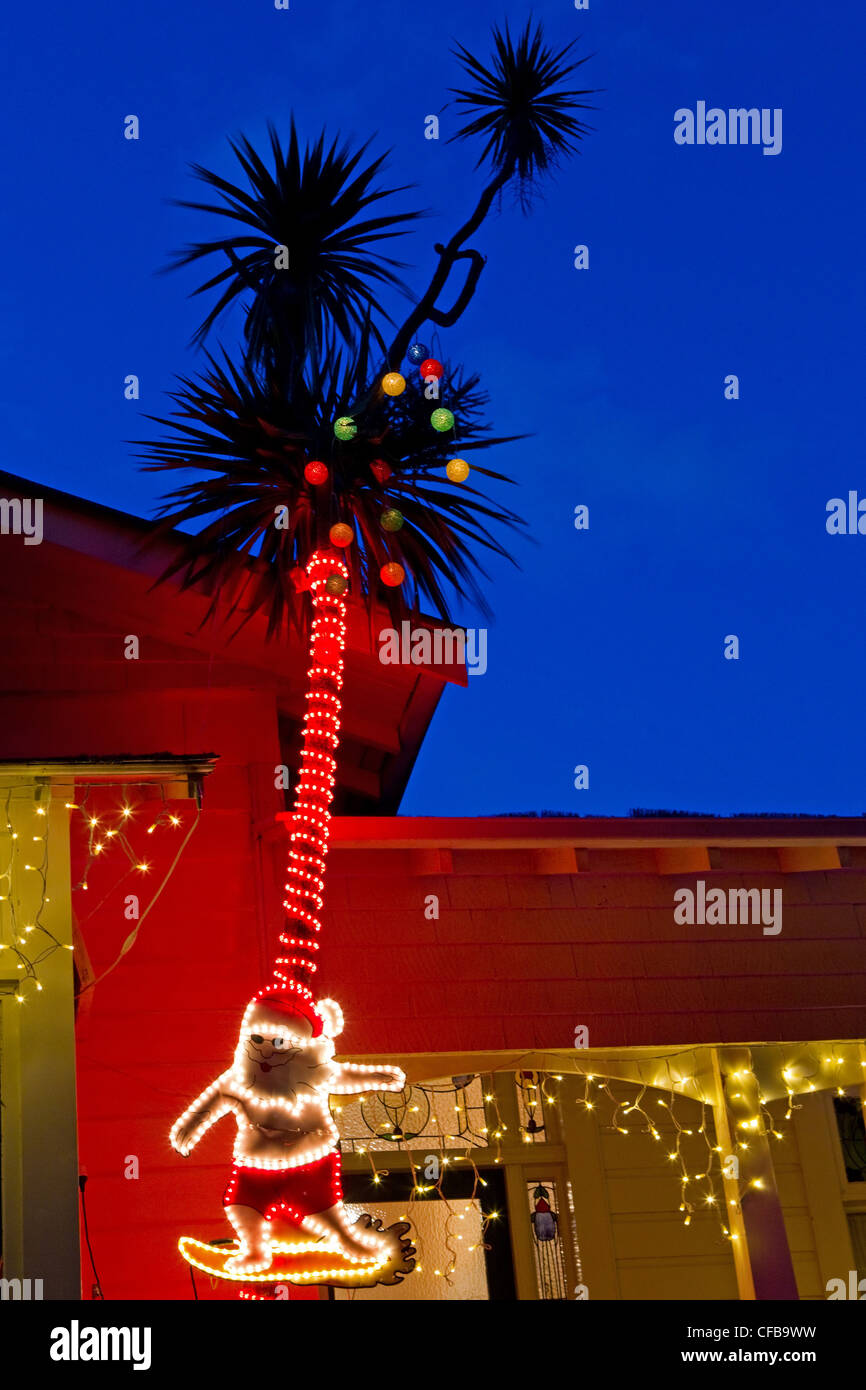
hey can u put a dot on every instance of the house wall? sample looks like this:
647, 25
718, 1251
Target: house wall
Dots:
520, 954
164, 1022
657, 1255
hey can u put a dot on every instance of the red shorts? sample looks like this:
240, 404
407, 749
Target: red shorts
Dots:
291, 1193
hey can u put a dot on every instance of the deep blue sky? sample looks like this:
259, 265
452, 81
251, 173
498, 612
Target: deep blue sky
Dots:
707, 516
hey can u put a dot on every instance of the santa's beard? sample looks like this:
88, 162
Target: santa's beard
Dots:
282, 1080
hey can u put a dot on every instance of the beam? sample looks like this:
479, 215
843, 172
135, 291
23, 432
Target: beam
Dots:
767, 1240
40, 1149
587, 833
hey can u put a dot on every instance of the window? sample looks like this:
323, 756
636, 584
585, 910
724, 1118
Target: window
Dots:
852, 1136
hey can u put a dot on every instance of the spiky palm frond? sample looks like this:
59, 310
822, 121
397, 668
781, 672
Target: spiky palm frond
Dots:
527, 125
321, 204
252, 444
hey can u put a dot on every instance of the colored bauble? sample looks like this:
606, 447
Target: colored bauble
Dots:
391, 520
316, 472
392, 574
417, 353
457, 470
442, 420
381, 471
300, 579
345, 427
393, 384
341, 535
336, 584
430, 367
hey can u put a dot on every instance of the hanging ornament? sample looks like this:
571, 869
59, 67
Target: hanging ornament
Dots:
345, 427
417, 353
392, 574
336, 583
393, 384
457, 470
430, 367
300, 579
442, 420
316, 472
341, 535
381, 471
544, 1221
391, 520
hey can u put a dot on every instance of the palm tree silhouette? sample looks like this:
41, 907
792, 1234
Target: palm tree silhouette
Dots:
306, 257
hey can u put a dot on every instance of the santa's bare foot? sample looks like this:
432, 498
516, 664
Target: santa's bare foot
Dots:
395, 1250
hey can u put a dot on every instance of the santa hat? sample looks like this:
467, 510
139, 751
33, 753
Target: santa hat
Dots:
294, 1001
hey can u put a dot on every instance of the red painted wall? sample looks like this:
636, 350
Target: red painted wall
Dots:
519, 956
163, 1023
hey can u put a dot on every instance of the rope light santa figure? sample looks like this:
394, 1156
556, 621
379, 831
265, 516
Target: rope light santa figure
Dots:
284, 1197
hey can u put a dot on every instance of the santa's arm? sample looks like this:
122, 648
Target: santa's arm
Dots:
205, 1110
354, 1078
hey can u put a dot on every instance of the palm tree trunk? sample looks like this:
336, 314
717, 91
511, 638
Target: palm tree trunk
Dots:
315, 788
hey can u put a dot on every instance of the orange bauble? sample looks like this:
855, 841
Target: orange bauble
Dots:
393, 384
341, 535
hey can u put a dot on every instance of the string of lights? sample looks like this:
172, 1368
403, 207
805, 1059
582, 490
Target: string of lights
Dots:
26, 936
700, 1173
402, 1128
25, 827
315, 788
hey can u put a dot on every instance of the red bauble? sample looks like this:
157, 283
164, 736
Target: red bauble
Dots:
430, 367
316, 472
300, 579
341, 535
392, 574
381, 471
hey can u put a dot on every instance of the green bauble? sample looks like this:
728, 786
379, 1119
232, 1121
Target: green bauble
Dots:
442, 420
336, 584
391, 520
345, 427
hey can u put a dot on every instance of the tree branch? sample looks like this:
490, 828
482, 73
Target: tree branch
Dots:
445, 318
426, 307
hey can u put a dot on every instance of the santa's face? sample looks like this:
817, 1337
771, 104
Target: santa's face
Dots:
278, 1054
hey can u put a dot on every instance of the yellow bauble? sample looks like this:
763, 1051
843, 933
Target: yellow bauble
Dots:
457, 470
393, 384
